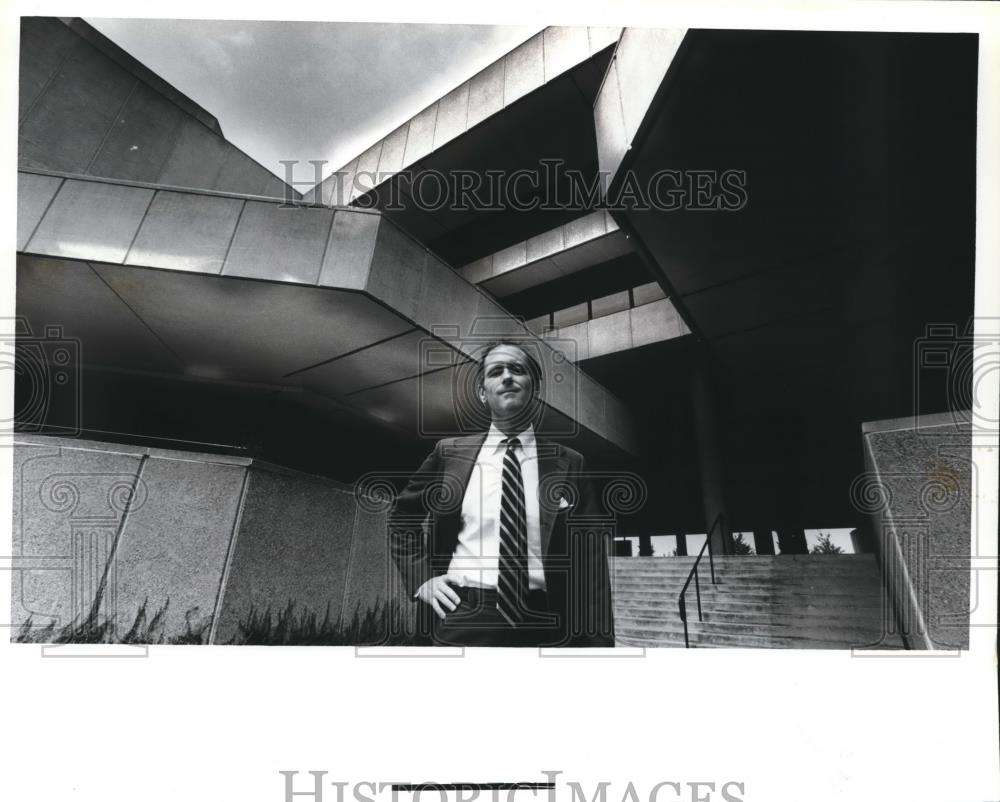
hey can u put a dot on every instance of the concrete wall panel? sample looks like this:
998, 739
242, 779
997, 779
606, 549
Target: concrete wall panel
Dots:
647, 293
196, 159
281, 243
349, 253
68, 122
172, 550
45, 43
240, 173
602, 37
336, 190
391, 158
918, 490
397, 269
293, 544
141, 139
452, 115
91, 220
445, 299
609, 334
372, 576
609, 304
34, 193
485, 94
642, 60
565, 47
66, 515
612, 140
573, 314
524, 70
420, 139
186, 232
367, 174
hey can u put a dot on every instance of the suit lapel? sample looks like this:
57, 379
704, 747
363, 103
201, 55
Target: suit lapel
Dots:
552, 468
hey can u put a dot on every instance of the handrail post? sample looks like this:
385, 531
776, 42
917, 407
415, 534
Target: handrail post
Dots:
697, 590
684, 618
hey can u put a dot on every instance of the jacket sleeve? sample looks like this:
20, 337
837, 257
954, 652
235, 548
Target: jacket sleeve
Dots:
597, 589
407, 521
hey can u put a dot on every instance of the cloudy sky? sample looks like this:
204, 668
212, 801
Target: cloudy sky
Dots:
310, 90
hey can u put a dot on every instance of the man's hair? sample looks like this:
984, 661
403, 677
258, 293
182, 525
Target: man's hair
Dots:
534, 368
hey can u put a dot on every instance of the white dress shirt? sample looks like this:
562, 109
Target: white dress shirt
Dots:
477, 553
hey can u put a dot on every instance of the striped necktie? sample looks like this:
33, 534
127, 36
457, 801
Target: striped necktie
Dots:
512, 583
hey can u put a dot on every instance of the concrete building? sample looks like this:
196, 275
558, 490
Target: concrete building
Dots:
733, 336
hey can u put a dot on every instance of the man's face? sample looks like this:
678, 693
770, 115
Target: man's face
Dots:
508, 388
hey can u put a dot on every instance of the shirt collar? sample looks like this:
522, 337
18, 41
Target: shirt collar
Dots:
494, 438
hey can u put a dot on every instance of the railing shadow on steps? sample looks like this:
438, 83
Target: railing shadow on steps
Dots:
693, 574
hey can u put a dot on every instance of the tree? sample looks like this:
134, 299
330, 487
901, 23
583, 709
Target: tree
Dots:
826, 546
740, 546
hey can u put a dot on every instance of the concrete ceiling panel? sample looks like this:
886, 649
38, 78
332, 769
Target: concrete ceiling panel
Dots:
228, 329
91, 220
281, 243
186, 231
34, 193
68, 294
395, 359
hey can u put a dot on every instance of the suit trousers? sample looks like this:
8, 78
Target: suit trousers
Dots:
478, 622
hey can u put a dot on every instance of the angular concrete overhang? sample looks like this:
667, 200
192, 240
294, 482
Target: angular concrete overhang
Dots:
561, 251
639, 69
334, 301
532, 106
535, 62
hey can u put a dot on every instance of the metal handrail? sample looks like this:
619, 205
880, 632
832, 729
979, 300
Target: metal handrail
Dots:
693, 574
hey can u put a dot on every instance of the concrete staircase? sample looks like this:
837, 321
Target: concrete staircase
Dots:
814, 601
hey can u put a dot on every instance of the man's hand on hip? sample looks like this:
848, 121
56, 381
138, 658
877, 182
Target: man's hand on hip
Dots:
437, 592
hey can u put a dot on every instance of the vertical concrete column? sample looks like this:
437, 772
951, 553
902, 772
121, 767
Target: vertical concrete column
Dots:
763, 541
645, 545
682, 544
710, 462
862, 541
792, 540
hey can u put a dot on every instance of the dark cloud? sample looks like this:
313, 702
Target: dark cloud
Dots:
310, 90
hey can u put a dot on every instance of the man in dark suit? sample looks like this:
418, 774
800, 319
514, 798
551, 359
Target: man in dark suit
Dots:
498, 535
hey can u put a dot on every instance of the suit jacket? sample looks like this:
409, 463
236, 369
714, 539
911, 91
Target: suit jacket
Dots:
427, 517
